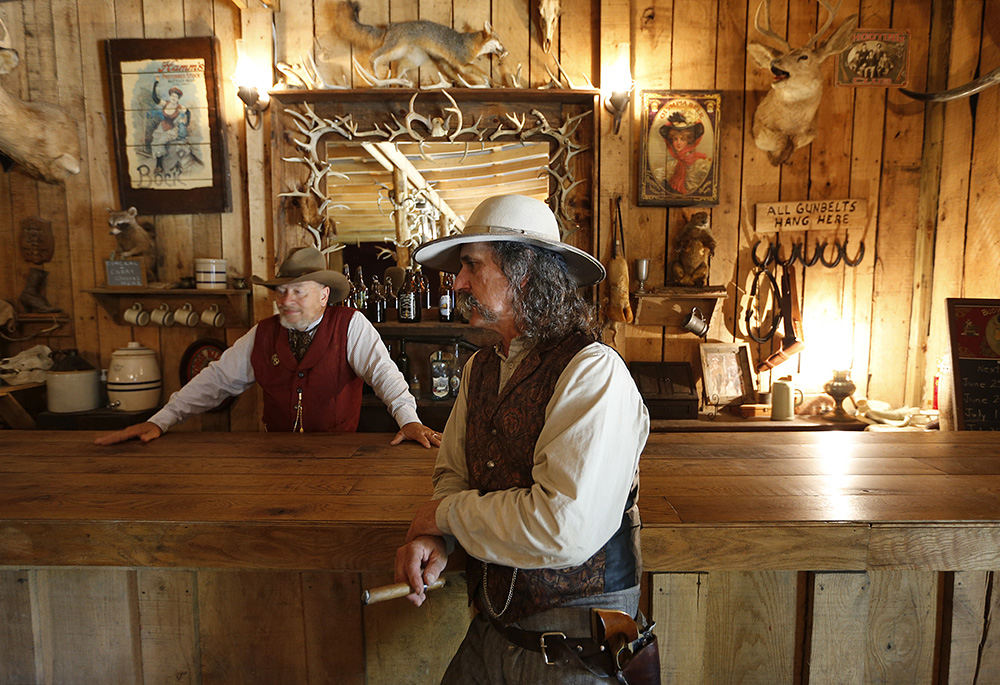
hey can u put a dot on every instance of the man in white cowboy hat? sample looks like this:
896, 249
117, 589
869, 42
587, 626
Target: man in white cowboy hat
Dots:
310, 359
537, 473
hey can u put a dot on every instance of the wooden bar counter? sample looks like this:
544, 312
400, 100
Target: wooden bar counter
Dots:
232, 557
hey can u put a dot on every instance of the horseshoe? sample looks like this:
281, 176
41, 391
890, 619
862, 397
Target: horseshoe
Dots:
796, 254
858, 257
839, 252
769, 255
818, 251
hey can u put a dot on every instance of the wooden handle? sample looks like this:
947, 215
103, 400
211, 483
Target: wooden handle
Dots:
619, 308
394, 591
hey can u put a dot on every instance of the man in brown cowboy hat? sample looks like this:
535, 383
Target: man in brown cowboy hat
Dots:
537, 473
309, 359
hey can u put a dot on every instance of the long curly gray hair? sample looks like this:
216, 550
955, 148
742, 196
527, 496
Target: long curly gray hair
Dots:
544, 298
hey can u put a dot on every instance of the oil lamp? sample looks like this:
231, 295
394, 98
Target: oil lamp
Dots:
839, 388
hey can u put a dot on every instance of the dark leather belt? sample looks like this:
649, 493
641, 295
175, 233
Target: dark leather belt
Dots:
553, 645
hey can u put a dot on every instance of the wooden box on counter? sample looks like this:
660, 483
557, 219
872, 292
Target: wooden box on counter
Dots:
667, 389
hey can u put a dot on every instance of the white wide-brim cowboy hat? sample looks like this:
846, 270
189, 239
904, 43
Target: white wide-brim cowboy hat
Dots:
515, 218
308, 264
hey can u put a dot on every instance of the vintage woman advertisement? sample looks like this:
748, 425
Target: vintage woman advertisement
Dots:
166, 124
680, 148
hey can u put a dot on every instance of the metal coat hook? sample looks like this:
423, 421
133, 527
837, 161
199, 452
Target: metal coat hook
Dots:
817, 251
769, 255
838, 250
796, 253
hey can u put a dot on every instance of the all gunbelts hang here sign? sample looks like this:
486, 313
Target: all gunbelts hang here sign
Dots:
811, 215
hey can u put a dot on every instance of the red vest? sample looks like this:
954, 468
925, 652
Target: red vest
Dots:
331, 391
501, 433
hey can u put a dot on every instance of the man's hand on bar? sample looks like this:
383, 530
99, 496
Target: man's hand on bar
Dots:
144, 431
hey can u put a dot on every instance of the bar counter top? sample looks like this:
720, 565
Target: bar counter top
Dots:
827, 500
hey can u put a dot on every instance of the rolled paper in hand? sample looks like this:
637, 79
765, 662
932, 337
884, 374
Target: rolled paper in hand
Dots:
394, 591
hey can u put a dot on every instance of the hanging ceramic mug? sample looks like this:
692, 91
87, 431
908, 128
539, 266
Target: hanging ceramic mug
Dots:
185, 315
136, 315
213, 317
162, 315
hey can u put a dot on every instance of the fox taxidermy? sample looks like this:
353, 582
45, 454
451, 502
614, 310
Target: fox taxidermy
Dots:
412, 44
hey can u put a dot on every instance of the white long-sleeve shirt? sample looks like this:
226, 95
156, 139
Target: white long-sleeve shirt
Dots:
586, 459
232, 373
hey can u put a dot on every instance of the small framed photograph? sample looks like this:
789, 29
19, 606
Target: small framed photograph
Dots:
726, 376
875, 57
167, 129
679, 152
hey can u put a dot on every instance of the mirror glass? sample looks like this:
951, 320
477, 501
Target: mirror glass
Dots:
431, 186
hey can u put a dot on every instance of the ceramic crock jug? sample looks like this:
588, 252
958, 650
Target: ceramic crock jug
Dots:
134, 380
72, 384
784, 398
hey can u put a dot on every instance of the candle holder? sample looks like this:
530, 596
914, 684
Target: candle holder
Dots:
839, 388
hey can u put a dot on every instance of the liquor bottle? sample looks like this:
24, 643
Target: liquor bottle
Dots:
446, 302
408, 300
360, 291
423, 288
376, 302
402, 361
455, 380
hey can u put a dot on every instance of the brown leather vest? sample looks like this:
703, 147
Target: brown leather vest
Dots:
331, 391
501, 433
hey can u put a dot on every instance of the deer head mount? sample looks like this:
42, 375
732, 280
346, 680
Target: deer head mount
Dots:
785, 119
41, 138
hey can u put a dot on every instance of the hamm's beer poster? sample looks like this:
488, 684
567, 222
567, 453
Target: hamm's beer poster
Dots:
167, 133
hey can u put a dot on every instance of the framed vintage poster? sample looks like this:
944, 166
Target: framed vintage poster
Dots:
726, 375
679, 152
875, 57
167, 129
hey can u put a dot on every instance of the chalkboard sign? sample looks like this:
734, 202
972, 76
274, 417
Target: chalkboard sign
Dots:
124, 273
974, 325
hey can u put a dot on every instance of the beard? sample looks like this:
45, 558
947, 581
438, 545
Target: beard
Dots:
297, 326
467, 304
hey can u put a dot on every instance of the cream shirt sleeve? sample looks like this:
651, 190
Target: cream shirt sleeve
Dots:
585, 461
229, 375
368, 356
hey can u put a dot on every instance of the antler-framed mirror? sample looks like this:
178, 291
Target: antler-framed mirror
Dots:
405, 166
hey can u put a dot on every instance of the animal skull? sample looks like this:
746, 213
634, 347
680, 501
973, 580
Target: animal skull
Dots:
786, 118
550, 11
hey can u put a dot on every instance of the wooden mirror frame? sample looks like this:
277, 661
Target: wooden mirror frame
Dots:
305, 120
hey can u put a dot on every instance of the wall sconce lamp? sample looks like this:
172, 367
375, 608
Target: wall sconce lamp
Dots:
617, 104
252, 79
254, 103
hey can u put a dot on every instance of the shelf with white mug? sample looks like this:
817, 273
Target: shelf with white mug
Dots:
228, 307
670, 306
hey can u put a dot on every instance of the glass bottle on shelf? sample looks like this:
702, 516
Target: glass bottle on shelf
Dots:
440, 366
408, 300
423, 287
360, 290
403, 361
455, 379
446, 304
376, 302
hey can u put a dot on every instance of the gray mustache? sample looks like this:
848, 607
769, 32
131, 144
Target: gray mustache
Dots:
467, 304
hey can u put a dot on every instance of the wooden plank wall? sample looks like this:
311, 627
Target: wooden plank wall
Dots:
928, 174
256, 626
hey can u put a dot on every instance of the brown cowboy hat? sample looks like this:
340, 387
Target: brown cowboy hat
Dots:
308, 264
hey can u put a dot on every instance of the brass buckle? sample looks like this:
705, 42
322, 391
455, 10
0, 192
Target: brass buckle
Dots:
541, 642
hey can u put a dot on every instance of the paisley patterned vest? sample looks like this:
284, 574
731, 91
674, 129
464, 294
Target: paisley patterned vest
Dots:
331, 391
501, 434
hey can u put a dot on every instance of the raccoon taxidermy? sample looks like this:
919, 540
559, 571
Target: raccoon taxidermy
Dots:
412, 44
134, 239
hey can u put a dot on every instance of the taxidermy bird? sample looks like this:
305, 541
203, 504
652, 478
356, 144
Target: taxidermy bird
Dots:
413, 44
